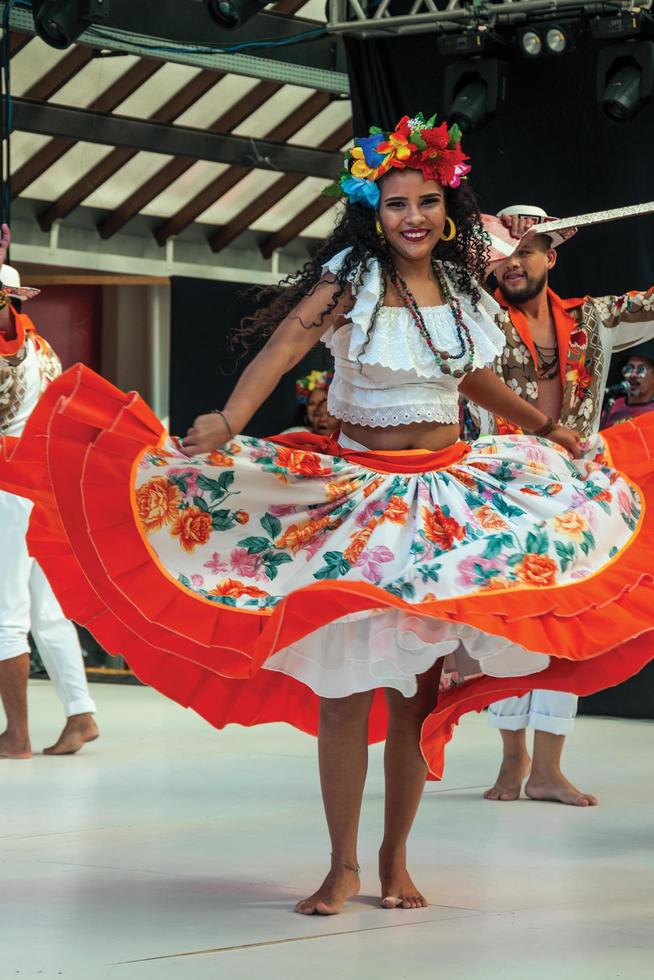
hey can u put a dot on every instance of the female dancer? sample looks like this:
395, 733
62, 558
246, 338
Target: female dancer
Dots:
322, 583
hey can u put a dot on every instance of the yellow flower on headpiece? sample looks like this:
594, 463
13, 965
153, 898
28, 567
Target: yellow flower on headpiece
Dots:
398, 147
361, 169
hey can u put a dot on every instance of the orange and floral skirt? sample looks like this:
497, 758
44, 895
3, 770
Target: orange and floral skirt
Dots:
251, 582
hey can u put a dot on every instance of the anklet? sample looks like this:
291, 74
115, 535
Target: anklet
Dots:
350, 867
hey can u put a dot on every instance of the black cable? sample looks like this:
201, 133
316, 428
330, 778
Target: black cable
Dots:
6, 120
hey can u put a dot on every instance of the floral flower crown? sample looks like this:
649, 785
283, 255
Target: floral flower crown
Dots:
314, 379
416, 144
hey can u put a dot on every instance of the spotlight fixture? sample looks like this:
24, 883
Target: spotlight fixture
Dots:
474, 90
543, 39
625, 78
60, 22
233, 13
530, 43
556, 40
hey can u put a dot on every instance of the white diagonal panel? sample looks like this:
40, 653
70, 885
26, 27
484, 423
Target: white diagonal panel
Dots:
128, 179
323, 124
24, 146
94, 79
184, 189
222, 97
239, 197
281, 105
34, 61
291, 205
323, 226
74, 165
157, 90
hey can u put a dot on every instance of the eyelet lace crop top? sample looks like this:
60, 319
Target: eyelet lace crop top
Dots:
387, 375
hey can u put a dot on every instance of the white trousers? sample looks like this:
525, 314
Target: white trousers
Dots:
544, 711
27, 603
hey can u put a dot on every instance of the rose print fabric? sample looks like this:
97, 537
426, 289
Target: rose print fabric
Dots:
240, 584
246, 526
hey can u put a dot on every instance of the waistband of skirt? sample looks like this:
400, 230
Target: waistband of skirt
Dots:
379, 460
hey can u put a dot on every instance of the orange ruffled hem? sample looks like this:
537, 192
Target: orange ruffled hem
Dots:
76, 462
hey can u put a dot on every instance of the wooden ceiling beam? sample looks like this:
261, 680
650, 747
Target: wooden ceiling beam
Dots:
174, 169
60, 74
296, 225
199, 85
109, 100
209, 195
224, 236
17, 41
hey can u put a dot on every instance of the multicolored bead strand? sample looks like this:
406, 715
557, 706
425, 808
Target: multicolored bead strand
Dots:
466, 343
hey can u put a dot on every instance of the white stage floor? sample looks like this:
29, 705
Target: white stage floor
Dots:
169, 850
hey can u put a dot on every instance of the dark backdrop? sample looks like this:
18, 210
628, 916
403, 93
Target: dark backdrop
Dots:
204, 364
550, 145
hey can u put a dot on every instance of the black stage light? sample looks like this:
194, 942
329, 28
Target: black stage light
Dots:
624, 24
557, 39
530, 42
467, 43
625, 78
233, 13
474, 90
541, 39
469, 105
60, 22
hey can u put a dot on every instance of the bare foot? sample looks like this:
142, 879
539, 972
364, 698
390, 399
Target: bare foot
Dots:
340, 884
553, 786
514, 769
78, 730
14, 747
397, 888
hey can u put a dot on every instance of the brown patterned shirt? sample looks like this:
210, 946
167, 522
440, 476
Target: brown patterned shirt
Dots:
588, 331
27, 365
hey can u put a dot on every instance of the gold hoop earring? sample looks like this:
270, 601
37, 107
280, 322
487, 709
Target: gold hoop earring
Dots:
451, 233
380, 230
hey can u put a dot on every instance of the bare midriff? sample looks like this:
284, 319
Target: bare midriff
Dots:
416, 435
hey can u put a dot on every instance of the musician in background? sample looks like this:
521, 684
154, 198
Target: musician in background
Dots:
557, 357
638, 373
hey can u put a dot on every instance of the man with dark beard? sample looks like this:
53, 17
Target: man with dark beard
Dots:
557, 357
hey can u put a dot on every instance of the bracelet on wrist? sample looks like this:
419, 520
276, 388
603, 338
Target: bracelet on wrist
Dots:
218, 411
546, 428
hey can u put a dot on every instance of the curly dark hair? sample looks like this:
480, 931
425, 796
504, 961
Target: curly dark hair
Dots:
467, 255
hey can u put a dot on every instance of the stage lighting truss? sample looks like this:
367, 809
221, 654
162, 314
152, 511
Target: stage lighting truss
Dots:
470, 18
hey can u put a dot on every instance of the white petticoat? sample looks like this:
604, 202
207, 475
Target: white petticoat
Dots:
391, 648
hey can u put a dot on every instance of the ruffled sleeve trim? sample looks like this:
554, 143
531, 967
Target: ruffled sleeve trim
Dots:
366, 298
489, 338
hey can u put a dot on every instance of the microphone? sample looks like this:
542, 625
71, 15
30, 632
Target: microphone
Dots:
615, 391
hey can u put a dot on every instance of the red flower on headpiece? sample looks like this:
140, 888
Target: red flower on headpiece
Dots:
438, 137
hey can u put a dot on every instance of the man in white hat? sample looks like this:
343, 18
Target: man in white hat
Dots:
557, 356
27, 364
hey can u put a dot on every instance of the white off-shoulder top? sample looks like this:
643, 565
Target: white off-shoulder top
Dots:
386, 375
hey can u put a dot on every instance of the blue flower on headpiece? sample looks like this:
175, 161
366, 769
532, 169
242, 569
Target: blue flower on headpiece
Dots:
369, 146
361, 191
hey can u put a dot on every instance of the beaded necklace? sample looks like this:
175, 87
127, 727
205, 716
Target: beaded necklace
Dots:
466, 344
547, 362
